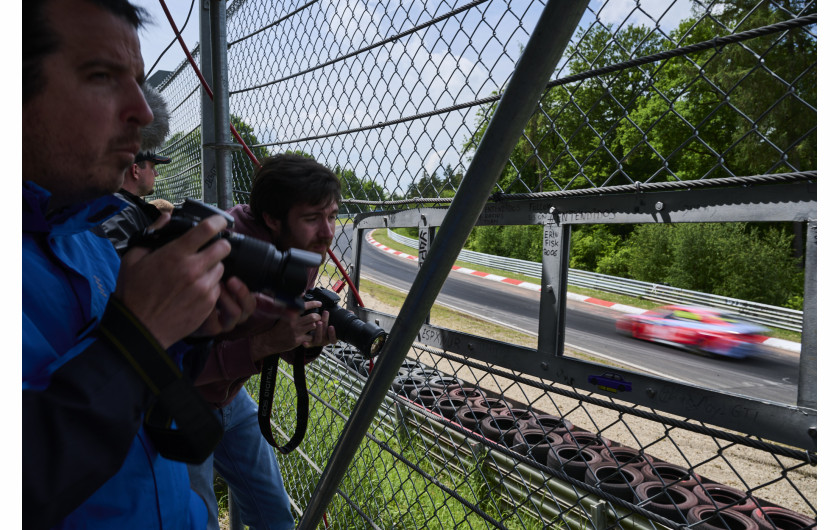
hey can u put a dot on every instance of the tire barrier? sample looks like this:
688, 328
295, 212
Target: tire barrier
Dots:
781, 519
672, 502
626, 456
667, 474
705, 517
663, 488
619, 481
725, 497
587, 439
574, 460
536, 443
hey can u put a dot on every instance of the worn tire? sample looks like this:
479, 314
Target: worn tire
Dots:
549, 423
427, 373
403, 385
783, 518
615, 480
444, 381
626, 456
411, 365
465, 391
498, 428
496, 405
446, 405
587, 439
524, 416
426, 395
572, 459
470, 417
719, 519
725, 497
668, 474
673, 502
535, 443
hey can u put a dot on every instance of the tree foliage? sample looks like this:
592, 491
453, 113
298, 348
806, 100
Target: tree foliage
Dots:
742, 109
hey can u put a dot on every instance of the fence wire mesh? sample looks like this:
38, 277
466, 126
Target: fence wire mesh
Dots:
396, 96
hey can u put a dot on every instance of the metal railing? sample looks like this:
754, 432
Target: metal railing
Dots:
778, 317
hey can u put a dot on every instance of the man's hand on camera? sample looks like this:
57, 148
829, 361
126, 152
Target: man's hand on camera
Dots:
294, 329
235, 305
174, 289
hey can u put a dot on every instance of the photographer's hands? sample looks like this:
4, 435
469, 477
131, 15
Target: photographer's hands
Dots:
177, 290
294, 329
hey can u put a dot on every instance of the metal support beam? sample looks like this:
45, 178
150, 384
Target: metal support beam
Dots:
808, 357
533, 71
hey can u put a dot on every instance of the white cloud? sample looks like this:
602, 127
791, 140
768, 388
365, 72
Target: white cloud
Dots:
667, 13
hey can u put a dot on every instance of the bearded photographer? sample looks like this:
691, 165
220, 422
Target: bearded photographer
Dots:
294, 204
93, 325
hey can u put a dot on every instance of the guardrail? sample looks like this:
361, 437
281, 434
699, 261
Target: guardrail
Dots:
777, 317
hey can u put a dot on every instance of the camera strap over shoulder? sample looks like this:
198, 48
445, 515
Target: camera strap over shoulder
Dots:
268, 380
197, 430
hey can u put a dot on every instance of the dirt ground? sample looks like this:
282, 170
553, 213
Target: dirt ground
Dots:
741, 467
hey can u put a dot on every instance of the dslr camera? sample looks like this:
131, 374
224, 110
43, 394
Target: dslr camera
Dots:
367, 337
263, 268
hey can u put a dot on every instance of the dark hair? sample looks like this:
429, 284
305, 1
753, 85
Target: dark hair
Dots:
289, 179
40, 40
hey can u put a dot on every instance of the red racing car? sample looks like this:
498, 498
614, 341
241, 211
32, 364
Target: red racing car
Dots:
699, 329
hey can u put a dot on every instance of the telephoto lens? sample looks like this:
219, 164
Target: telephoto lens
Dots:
367, 337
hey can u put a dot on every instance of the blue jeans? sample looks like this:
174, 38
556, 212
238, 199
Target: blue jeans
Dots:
247, 463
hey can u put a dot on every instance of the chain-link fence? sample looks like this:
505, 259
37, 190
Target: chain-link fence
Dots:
658, 112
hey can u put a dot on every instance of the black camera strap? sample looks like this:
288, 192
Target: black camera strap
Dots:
198, 431
268, 380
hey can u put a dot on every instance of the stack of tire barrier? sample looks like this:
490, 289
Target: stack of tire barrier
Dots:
661, 487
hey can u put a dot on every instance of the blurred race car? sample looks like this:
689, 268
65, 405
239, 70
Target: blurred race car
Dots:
699, 329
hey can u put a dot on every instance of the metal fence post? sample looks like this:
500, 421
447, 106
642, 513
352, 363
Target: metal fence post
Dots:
209, 187
221, 110
539, 59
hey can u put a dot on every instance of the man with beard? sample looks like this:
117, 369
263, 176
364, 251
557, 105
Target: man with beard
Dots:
101, 338
294, 204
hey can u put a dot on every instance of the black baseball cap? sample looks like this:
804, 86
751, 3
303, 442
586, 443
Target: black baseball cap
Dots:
152, 157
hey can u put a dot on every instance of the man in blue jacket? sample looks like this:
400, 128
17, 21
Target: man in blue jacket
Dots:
99, 333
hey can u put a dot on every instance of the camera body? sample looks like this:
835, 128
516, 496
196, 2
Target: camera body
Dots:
367, 337
259, 264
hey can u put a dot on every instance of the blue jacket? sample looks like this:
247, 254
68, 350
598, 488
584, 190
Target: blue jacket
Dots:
87, 463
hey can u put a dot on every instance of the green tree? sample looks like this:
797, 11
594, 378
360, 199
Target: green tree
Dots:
428, 186
729, 259
352, 187
242, 167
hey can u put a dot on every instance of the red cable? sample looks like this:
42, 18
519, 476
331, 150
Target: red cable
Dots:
346, 277
203, 81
